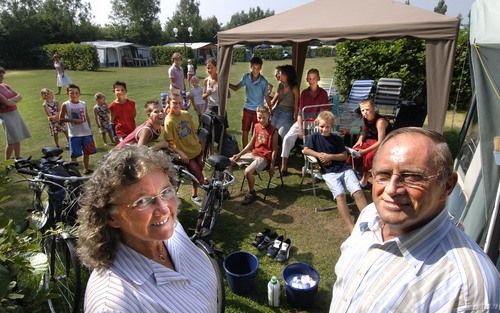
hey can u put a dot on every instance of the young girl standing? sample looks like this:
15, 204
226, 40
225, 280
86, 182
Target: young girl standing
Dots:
102, 119
196, 96
51, 107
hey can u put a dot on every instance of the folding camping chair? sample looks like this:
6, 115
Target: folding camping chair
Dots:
327, 84
245, 163
311, 164
360, 90
387, 97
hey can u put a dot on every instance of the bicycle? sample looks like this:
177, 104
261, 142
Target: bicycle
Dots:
56, 186
216, 193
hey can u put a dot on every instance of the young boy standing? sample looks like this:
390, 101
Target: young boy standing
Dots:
261, 150
330, 151
256, 87
74, 112
181, 136
122, 111
176, 73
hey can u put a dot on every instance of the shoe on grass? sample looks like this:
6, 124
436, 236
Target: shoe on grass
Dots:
284, 251
250, 197
196, 200
260, 236
273, 249
267, 241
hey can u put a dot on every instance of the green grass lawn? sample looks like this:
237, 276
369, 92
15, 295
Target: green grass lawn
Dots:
316, 237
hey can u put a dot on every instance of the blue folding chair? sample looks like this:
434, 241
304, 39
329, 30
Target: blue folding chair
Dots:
387, 97
360, 90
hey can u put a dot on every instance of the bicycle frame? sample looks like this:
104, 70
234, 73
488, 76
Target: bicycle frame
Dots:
217, 185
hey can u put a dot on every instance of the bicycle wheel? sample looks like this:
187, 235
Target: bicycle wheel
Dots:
63, 277
221, 293
208, 214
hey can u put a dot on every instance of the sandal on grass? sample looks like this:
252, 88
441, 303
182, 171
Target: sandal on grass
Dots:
260, 236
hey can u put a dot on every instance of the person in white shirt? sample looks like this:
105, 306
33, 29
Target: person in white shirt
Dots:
140, 256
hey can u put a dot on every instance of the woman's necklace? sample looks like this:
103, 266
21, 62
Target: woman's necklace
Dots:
162, 254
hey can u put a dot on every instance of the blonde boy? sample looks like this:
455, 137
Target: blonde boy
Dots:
329, 149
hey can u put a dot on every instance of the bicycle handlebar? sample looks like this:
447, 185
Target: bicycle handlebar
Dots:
34, 172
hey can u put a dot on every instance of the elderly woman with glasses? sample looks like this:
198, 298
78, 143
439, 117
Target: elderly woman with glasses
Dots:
142, 259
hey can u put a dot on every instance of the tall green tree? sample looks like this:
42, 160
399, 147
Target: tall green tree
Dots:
136, 21
209, 29
242, 17
25, 25
20, 32
187, 14
67, 21
441, 7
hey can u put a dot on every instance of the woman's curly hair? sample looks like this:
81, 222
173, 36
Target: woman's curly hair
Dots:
120, 167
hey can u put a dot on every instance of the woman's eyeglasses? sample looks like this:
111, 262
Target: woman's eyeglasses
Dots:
166, 194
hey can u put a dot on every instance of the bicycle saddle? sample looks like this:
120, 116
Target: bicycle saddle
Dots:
219, 162
49, 152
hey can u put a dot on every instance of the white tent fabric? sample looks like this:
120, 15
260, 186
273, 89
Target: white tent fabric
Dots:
485, 58
334, 20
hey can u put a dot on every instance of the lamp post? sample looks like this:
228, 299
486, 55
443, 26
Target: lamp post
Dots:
190, 31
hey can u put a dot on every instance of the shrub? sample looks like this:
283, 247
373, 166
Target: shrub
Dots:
461, 73
366, 59
21, 263
402, 58
269, 53
161, 55
239, 54
77, 57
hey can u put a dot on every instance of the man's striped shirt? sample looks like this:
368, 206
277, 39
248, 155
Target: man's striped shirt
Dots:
436, 268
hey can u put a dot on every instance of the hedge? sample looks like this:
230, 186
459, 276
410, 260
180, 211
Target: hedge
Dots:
161, 55
366, 59
239, 54
269, 53
77, 57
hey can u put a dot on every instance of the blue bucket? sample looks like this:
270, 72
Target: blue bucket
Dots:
241, 270
300, 294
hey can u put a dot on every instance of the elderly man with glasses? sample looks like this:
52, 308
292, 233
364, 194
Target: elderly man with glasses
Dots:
405, 254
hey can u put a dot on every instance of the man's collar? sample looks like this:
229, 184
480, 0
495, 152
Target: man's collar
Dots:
417, 245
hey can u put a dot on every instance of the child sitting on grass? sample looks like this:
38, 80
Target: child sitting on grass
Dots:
51, 107
261, 151
331, 153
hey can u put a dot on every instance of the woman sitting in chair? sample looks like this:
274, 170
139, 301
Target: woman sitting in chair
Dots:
375, 128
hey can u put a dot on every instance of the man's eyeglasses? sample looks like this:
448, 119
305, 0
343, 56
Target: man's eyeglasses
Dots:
408, 179
142, 203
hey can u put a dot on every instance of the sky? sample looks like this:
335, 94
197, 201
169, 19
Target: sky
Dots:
224, 9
